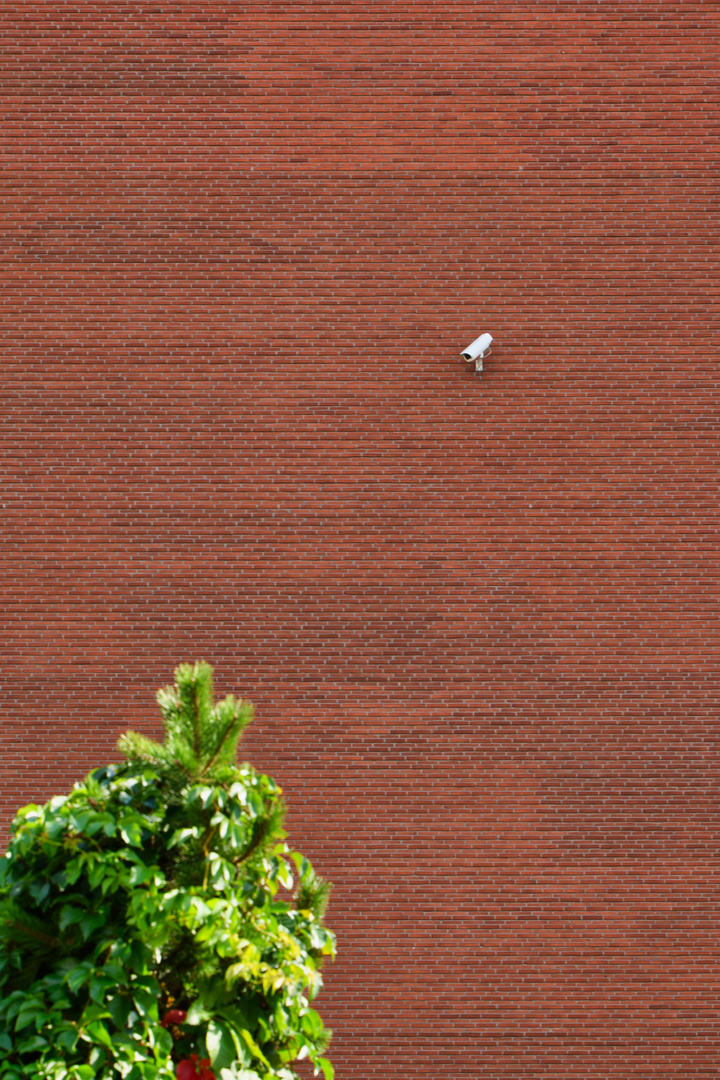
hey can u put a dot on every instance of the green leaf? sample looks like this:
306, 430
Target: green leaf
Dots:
16, 1001
197, 1013
115, 971
253, 1046
111, 879
220, 1044
102, 821
146, 1070
326, 1066
55, 824
303, 864
237, 836
99, 984
238, 792
139, 956
74, 869
35, 1042
284, 875
67, 1040
79, 822
93, 1012
119, 1008
256, 805
206, 795
97, 869
318, 936
131, 832
242, 1014
27, 1015
78, 976
91, 923
98, 1033
70, 914
145, 1001
140, 874
39, 891
163, 1042
311, 1023
6, 1042
181, 835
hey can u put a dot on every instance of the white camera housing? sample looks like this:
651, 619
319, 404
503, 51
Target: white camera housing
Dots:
478, 348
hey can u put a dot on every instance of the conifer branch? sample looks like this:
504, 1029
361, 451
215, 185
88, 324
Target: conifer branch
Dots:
221, 743
29, 931
196, 719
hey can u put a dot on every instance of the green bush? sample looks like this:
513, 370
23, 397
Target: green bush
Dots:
154, 923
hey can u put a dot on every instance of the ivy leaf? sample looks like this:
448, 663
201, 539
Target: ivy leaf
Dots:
35, 1042
55, 823
98, 1033
97, 869
67, 1040
106, 822
318, 936
221, 1045
119, 1008
311, 1023
197, 1013
78, 976
39, 891
79, 822
145, 1001
253, 1046
98, 986
244, 1014
91, 923
70, 914
131, 831
74, 869
181, 835
140, 874
27, 1015
116, 972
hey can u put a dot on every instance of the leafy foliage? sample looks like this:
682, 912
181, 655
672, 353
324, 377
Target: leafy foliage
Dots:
147, 920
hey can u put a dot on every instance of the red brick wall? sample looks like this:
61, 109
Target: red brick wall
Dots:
245, 243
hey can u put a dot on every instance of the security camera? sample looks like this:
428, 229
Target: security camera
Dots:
477, 350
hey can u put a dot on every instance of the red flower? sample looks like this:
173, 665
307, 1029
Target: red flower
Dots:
174, 1016
192, 1069
186, 1070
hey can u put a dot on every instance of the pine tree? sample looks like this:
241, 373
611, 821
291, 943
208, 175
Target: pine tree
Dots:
154, 924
